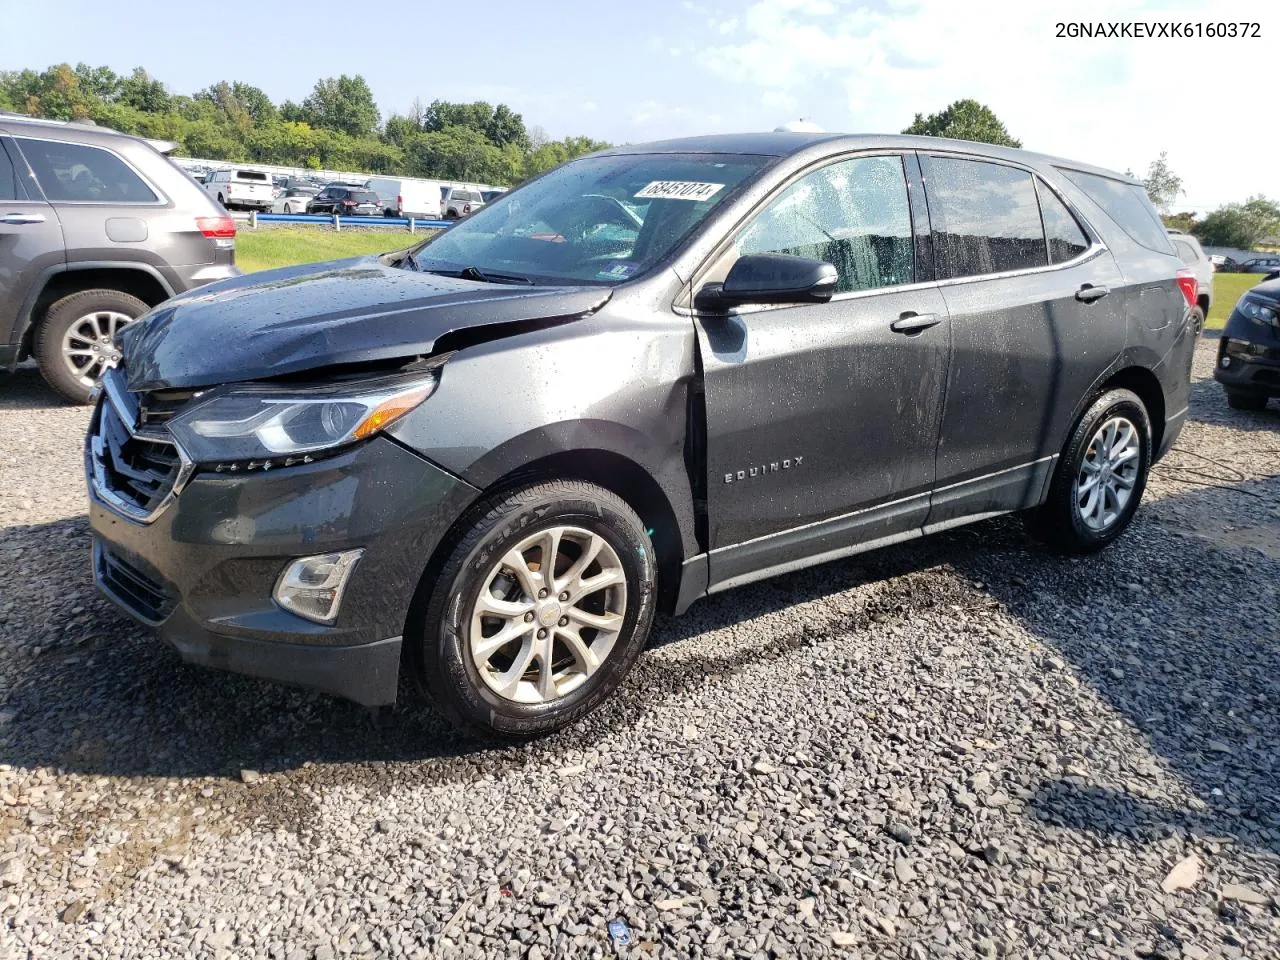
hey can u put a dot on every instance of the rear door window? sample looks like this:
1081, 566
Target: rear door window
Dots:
986, 218
10, 185
1066, 238
1128, 205
75, 173
853, 214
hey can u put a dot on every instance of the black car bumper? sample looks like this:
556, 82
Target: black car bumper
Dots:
1249, 357
203, 572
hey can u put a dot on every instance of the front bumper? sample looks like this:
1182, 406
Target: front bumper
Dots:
203, 570
1252, 353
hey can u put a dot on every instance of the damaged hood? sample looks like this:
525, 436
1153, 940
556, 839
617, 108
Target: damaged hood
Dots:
318, 315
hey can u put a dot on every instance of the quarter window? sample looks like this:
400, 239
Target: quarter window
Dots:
1066, 240
73, 172
986, 218
1128, 205
1187, 254
853, 214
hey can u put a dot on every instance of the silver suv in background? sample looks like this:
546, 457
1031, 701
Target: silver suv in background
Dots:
1192, 254
96, 228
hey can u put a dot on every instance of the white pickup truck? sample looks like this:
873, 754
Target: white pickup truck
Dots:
241, 189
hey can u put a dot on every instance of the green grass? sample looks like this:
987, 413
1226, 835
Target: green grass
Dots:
269, 247
1227, 289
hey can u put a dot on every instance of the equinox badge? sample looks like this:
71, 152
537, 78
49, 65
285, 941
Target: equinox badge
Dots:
764, 468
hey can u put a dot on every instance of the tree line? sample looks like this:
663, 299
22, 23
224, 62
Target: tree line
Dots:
337, 126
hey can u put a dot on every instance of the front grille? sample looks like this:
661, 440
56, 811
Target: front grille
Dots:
146, 597
140, 471
133, 463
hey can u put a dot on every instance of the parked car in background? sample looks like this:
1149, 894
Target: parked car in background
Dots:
296, 198
241, 189
456, 202
803, 347
420, 198
488, 196
1193, 255
1267, 264
1248, 364
96, 228
346, 201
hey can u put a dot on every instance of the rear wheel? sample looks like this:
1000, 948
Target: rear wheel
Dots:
76, 340
1197, 320
1246, 401
1100, 478
539, 612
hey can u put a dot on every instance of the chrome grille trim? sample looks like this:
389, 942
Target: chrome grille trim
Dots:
125, 408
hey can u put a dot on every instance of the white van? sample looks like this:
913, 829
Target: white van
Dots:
413, 198
388, 191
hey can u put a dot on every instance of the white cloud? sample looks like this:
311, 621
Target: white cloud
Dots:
1117, 102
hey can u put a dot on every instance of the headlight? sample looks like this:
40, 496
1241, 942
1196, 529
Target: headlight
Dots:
1258, 310
273, 426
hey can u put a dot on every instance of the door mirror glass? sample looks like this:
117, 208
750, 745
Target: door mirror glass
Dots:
772, 278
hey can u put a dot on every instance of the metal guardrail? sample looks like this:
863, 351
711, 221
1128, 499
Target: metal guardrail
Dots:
336, 221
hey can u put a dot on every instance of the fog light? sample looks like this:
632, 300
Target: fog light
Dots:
312, 587
1226, 361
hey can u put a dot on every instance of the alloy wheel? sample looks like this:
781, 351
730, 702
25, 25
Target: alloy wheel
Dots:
548, 614
88, 346
1108, 473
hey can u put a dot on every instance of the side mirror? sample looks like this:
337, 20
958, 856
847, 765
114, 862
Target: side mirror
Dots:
771, 278
1273, 275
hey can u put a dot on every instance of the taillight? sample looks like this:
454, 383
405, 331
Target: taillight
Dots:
466, 208
1189, 286
217, 228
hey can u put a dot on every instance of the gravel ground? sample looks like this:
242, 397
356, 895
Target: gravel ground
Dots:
961, 747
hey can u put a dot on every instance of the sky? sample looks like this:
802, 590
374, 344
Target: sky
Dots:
627, 72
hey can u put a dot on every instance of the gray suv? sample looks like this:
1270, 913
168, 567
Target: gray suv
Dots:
96, 228
649, 375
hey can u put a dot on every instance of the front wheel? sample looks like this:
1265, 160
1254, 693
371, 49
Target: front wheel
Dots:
1100, 478
539, 612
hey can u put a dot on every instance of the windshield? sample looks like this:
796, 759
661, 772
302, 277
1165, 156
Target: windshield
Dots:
595, 220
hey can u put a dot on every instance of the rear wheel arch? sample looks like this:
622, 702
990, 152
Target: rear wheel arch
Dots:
136, 281
1146, 385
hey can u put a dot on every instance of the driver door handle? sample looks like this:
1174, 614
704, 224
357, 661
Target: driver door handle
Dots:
910, 323
21, 218
1089, 293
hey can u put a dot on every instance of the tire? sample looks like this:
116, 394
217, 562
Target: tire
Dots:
1246, 401
1066, 523
102, 310
442, 621
1197, 320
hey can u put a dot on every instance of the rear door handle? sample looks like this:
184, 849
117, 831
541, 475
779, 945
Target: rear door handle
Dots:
21, 218
910, 323
1089, 293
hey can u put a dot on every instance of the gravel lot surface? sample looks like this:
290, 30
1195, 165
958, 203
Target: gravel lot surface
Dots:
962, 747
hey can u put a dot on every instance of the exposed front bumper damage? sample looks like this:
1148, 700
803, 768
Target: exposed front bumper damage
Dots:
203, 570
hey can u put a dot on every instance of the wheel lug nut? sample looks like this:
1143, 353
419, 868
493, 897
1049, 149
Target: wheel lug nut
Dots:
564, 621
542, 634
542, 594
565, 595
528, 617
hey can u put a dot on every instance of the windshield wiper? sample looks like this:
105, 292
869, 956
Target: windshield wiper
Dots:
484, 276
409, 259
